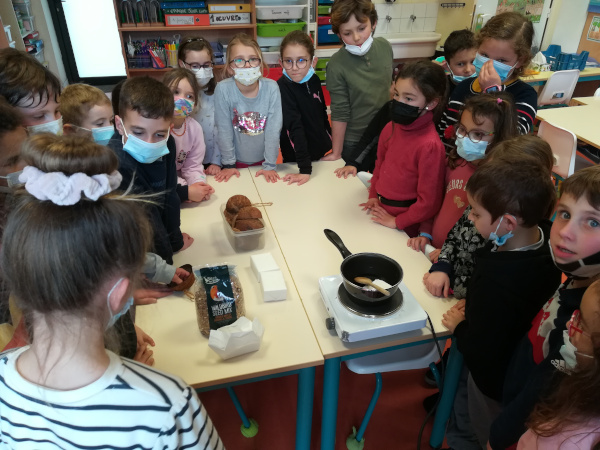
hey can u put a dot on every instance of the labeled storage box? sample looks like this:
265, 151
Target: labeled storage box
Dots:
229, 18
277, 29
229, 7
269, 41
244, 241
323, 20
279, 12
321, 10
321, 74
277, 2
28, 23
189, 20
24, 8
326, 35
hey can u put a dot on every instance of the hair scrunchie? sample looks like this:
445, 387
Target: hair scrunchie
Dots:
66, 190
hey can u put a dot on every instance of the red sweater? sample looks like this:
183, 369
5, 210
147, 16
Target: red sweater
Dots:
454, 204
414, 168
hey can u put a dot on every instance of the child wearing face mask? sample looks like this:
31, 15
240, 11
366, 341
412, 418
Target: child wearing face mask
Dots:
86, 109
460, 49
32, 89
513, 277
569, 417
485, 121
188, 135
547, 347
358, 75
306, 132
248, 112
408, 181
503, 53
147, 154
196, 54
64, 388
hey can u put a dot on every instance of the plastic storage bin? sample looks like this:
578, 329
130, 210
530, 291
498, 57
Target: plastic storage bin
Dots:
321, 10
279, 12
8, 33
269, 41
28, 24
274, 73
322, 63
277, 29
323, 20
24, 8
326, 35
244, 241
321, 74
39, 56
278, 2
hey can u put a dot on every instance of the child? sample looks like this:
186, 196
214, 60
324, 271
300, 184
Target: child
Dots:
87, 108
189, 139
12, 136
504, 51
485, 121
358, 75
147, 158
32, 89
454, 265
66, 389
460, 49
196, 54
575, 245
570, 416
306, 133
512, 278
253, 104
406, 188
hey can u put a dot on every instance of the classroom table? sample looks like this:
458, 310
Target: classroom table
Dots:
586, 101
588, 74
288, 346
583, 121
298, 215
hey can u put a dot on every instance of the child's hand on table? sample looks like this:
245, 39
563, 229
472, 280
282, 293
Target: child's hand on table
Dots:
369, 204
150, 295
180, 275
460, 305
331, 157
200, 191
345, 171
213, 169
437, 283
187, 241
418, 243
143, 353
433, 256
452, 318
226, 174
270, 175
299, 178
382, 217
488, 76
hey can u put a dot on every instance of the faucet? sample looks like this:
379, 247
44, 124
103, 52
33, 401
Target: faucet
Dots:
388, 18
413, 17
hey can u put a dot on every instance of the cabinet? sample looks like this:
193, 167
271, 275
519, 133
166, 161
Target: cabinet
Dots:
212, 33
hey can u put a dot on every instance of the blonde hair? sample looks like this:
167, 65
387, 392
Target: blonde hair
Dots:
247, 41
77, 100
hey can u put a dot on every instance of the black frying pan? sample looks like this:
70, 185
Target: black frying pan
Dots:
371, 265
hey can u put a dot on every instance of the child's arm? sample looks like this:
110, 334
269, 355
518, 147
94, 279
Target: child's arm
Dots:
382, 148
223, 118
193, 169
293, 127
157, 270
340, 109
370, 137
172, 203
272, 132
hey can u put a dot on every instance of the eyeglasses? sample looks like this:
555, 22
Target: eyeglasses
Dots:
195, 67
474, 135
574, 325
289, 63
240, 62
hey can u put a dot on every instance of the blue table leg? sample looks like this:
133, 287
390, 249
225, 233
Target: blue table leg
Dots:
331, 385
372, 403
306, 390
451, 377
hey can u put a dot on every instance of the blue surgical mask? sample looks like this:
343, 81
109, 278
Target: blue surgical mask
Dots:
469, 150
501, 240
503, 70
309, 74
103, 134
142, 151
459, 78
114, 317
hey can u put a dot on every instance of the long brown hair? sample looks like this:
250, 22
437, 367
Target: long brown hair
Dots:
498, 108
197, 44
577, 396
343, 10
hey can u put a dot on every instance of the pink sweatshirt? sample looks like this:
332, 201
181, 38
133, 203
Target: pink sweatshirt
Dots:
190, 153
410, 164
454, 204
582, 438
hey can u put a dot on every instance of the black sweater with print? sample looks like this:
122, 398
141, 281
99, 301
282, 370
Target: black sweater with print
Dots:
306, 132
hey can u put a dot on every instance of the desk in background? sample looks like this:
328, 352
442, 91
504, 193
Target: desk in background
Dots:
580, 120
590, 74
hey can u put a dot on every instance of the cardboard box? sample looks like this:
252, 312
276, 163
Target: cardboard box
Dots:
224, 19
229, 7
178, 20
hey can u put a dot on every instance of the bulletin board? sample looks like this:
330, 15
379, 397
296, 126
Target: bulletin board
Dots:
590, 38
529, 8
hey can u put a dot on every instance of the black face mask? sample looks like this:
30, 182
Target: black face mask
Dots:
404, 114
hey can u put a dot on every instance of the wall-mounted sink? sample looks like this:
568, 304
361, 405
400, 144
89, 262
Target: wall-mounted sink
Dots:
413, 45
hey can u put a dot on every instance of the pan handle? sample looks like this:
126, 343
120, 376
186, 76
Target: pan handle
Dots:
337, 241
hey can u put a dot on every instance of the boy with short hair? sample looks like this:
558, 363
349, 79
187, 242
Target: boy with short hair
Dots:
513, 277
575, 248
87, 108
147, 155
32, 89
358, 75
460, 49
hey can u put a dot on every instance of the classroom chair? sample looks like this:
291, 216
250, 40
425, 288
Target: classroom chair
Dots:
564, 147
559, 89
408, 358
597, 93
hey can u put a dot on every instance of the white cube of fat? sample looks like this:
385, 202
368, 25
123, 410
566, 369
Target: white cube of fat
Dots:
273, 285
261, 263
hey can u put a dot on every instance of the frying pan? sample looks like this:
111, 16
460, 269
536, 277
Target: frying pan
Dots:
371, 265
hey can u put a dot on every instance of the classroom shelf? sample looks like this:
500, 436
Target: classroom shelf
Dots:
166, 69
189, 28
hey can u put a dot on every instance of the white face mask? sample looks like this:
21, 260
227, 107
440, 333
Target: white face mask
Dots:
359, 51
204, 76
54, 127
247, 75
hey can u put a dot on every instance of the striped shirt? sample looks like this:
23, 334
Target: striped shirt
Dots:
523, 96
132, 406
